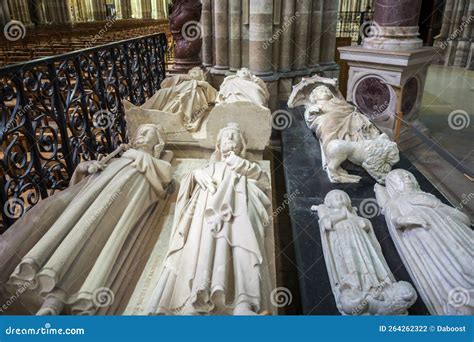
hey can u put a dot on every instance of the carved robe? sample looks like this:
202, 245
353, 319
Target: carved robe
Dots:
337, 119
191, 99
439, 257
216, 258
235, 88
93, 230
361, 280
357, 259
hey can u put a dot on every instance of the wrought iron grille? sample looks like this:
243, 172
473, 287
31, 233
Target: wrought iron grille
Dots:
59, 111
349, 24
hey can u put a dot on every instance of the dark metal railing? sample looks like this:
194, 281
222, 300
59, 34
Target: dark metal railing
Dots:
61, 110
349, 24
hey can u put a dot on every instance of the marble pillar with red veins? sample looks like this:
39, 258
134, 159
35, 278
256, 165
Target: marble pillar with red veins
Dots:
185, 16
397, 13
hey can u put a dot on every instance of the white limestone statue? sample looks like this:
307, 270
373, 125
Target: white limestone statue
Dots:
193, 74
342, 131
360, 278
94, 228
216, 262
435, 242
376, 156
189, 97
243, 86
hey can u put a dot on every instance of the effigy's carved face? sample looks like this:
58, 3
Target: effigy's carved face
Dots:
321, 93
196, 74
244, 73
146, 137
231, 141
337, 199
401, 181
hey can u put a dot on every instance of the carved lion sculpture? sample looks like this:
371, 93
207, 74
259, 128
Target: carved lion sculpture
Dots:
392, 299
376, 156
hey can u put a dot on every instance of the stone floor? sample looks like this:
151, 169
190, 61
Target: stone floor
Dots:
448, 90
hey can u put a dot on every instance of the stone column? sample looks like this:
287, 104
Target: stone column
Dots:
4, 13
300, 46
64, 11
235, 9
146, 9
244, 44
396, 25
206, 32
19, 11
57, 11
447, 18
260, 32
316, 30
464, 44
98, 9
126, 9
440, 42
328, 37
221, 34
286, 49
50, 10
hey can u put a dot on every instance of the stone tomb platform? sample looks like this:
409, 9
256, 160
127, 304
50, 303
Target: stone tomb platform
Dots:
138, 303
307, 184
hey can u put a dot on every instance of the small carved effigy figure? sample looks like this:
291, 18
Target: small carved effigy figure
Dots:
435, 242
243, 86
188, 96
361, 280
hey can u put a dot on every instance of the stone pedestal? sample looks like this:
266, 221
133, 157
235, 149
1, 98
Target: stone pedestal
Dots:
377, 77
387, 73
